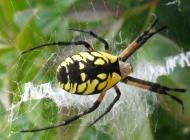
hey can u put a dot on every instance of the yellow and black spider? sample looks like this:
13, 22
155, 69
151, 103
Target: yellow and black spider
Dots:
93, 72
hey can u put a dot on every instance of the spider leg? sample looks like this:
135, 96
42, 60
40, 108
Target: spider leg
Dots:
110, 106
66, 122
157, 88
106, 46
61, 43
140, 40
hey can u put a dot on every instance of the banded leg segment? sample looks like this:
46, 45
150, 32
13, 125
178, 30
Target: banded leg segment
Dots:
140, 40
157, 88
66, 122
106, 46
110, 106
61, 43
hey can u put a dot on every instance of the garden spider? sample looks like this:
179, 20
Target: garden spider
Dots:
93, 72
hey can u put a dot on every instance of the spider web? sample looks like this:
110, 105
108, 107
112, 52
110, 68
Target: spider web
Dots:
134, 105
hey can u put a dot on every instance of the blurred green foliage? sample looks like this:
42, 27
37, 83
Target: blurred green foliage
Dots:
30, 22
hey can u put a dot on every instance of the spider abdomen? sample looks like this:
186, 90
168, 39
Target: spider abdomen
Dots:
88, 72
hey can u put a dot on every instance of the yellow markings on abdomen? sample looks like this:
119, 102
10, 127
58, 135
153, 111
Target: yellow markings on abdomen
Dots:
63, 64
89, 72
102, 76
112, 80
99, 55
112, 58
68, 60
81, 87
77, 57
58, 68
102, 85
91, 86
81, 66
73, 88
99, 61
96, 54
67, 86
83, 76
115, 78
87, 55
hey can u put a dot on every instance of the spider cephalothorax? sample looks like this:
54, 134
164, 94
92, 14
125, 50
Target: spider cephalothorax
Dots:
93, 72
